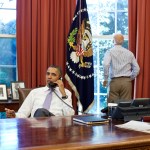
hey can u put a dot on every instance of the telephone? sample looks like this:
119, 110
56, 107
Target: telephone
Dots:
53, 85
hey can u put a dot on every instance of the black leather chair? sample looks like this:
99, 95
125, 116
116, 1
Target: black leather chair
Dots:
23, 93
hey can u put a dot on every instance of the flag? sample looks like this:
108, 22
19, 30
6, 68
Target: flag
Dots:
79, 63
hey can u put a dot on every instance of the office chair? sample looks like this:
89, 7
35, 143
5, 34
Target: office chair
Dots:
23, 93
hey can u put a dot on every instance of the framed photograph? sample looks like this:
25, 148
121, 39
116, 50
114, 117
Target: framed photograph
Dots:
14, 89
3, 92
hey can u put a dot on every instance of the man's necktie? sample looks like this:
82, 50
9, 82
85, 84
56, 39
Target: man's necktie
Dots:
48, 99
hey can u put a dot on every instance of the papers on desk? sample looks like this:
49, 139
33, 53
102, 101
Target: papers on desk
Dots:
136, 126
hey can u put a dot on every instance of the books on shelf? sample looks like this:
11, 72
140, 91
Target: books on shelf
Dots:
90, 119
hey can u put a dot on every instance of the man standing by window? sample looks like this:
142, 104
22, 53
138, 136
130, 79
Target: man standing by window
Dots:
121, 67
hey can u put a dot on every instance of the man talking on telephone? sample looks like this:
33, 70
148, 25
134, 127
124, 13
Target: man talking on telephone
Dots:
51, 100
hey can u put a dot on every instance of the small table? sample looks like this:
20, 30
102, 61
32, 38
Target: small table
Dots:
11, 104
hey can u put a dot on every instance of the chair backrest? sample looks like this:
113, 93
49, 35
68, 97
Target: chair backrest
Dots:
23, 93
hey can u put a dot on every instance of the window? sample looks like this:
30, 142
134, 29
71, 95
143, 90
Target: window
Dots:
106, 17
8, 67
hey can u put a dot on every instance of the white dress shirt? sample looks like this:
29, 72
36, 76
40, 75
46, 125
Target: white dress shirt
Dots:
119, 61
36, 98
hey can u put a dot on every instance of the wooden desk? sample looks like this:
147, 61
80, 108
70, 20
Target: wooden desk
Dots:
62, 133
11, 104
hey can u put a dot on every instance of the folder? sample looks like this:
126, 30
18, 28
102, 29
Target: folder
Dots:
90, 119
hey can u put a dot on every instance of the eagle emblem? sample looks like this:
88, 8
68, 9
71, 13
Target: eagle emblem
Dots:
80, 40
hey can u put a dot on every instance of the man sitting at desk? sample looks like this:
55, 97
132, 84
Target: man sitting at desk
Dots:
53, 99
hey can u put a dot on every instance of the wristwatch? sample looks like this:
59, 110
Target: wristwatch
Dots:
64, 97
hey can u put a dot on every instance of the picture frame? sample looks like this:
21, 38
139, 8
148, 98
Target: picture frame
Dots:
14, 89
3, 92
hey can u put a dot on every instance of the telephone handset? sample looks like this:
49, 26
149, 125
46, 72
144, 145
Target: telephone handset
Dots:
53, 85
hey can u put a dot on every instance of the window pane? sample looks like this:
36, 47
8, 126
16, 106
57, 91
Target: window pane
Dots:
99, 48
95, 81
92, 5
7, 21
125, 44
122, 22
7, 42
122, 5
103, 90
95, 51
101, 5
94, 22
8, 51
7, 74
107, 23
107, 5
102, 23
11, 4
103, 101
104, 45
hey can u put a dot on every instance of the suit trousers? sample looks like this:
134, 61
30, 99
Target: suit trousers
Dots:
42, 112
120, 89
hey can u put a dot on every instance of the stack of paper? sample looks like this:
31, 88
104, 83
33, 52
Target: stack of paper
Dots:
136, 126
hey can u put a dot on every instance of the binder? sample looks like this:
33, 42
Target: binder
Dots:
90, 119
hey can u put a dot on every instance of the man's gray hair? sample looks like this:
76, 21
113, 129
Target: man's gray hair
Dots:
118, 38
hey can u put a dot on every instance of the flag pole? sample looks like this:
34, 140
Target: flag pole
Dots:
80, 34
